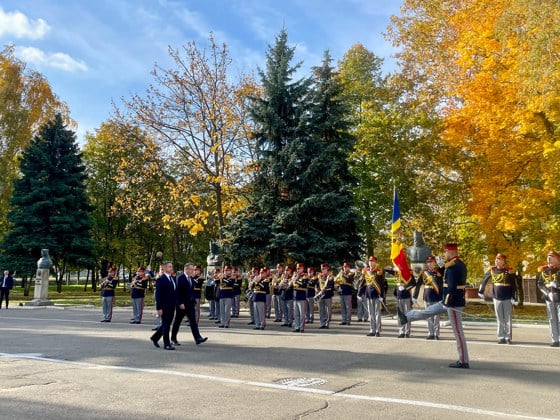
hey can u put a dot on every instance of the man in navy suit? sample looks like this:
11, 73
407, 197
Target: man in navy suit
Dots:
186, 305
6, 284
166, 299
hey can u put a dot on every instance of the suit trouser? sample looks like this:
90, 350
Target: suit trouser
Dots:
268, 307
4, 295
325, 306
299, 314
288, 311
346, 308
235, 305
190, 313
137, 309
163, 330
310, 309
225, 310
503, 310
374, 308
277, 302
553, 311
362, 311
107, 304
455, 319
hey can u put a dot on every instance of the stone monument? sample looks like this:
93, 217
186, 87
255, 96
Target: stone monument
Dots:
214, 259
417, 254
41, 292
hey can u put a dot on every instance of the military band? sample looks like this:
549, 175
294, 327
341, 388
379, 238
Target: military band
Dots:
138, 288
345, 283
402, 292
325, 295
312, 286
299, 282
108, 286
431, 279
376, 292
548, 283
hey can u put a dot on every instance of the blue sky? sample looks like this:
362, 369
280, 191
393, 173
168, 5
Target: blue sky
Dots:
96, 51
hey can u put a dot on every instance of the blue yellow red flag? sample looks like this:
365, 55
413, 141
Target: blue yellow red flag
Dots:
398, 255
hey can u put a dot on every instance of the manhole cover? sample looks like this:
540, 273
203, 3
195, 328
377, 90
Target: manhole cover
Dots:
301, 382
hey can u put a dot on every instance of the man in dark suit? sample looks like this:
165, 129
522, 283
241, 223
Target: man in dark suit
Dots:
6, 284
166, 299
186, 305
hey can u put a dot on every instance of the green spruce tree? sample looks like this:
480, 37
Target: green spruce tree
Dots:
49, 206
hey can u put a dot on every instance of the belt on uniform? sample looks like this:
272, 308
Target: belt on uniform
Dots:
227, 288
300, 289
501, 284
259, 292
462, 286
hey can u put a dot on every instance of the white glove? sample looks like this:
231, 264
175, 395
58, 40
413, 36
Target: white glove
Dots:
414, 300
481, 296
401, 288
512, 301
381, 299
553, 284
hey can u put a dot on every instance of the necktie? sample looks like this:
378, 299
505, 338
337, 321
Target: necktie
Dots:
172, 282
190, 281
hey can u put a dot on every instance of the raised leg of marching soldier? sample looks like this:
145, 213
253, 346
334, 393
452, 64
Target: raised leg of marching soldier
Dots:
374, 307
345, 309
433, 324
225, 312
503, 310
362, 311
325, 312
310, 310
430, 311
404, 305
299, 315
456, 321
277, 302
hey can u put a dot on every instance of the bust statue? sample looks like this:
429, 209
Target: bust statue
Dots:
418, 252
214, 258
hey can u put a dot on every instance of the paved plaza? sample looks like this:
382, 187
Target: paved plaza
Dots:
62, 363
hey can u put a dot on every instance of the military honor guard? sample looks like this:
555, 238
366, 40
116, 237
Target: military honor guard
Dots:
325, 295
345, 283
258, 287
226, 296
548, 280
376, 292
108, 286
138, 288
360, 287
277, 292
299, 282
454, 283
237, 286
253, 276
503, 295
287, 297
431, 279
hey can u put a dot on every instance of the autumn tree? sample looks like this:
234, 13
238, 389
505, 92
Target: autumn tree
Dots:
26, 103
196, 116
49, 207
490, 70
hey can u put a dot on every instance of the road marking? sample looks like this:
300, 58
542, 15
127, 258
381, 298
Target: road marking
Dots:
335, 394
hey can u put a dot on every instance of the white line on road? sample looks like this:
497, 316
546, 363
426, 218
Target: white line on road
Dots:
34, 356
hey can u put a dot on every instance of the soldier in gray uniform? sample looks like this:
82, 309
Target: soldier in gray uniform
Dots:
548, 280
503, 294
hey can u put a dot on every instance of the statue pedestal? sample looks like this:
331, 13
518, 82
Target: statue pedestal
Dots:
41, 292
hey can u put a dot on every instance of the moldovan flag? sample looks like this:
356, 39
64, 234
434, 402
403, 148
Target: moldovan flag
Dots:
398, 255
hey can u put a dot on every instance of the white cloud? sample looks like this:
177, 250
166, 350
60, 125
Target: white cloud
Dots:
57, 60
17, 24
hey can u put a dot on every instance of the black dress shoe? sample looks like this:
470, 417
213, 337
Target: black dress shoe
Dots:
555, 344
377, 334
502, 341
370, 334
250, 323
155, 328
154, 342
169, 347
402, 317
201, 340
431, 337
509, 342
459, 365
401, 336
175, 343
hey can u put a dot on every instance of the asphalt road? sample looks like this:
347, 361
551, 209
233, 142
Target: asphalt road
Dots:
62, 363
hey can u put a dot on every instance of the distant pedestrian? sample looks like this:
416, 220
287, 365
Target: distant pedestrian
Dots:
5, 286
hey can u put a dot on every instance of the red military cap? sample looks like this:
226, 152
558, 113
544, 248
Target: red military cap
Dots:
500, 256
346, 264
279, 265
325, 265
300, 265
553, 253
431, 258
227, 267
289, 268
372, 258
451, 247
311, 269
